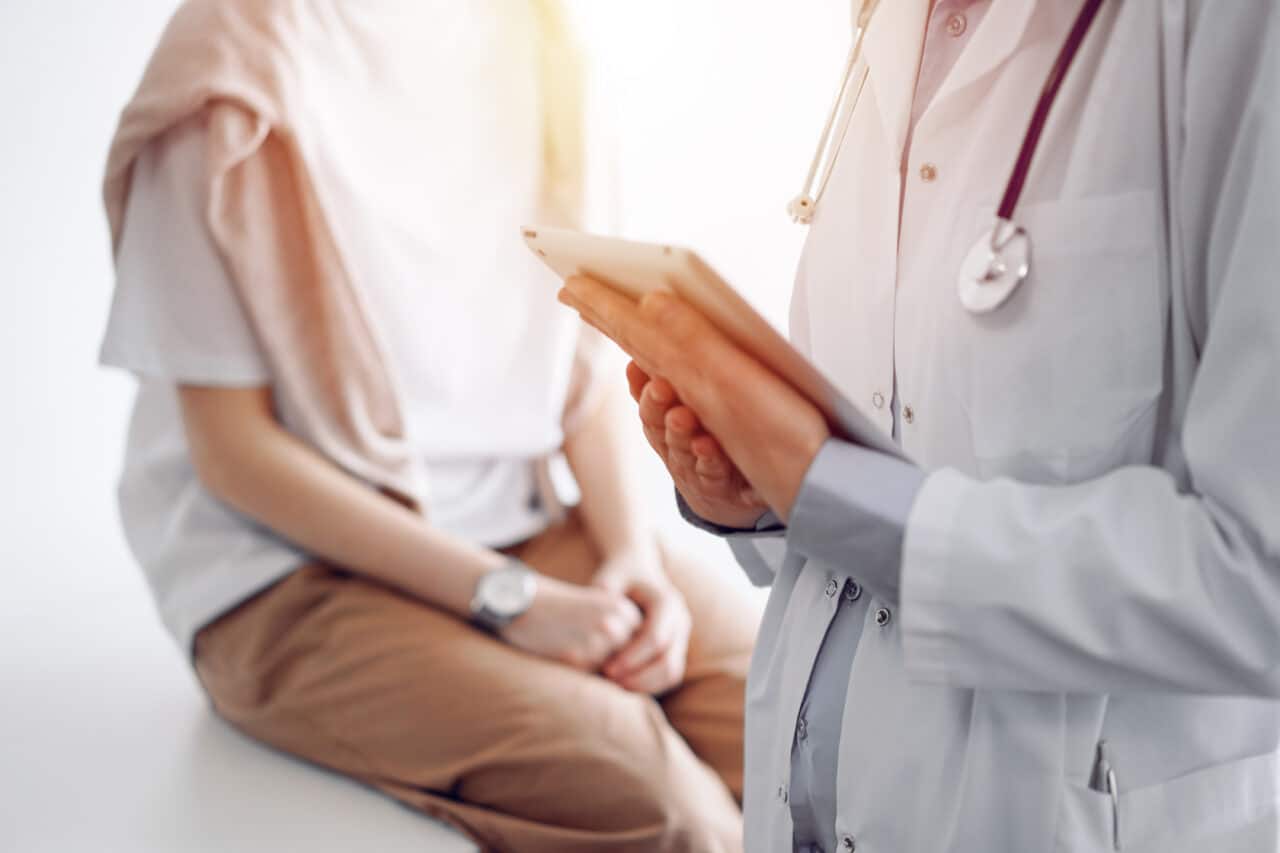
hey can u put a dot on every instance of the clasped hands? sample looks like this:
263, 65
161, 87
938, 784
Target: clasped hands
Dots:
630, 624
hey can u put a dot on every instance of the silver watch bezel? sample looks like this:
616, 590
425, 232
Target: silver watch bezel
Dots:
485, 612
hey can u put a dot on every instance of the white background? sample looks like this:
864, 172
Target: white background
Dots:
106, 745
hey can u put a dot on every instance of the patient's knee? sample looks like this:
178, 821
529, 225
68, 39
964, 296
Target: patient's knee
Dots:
624, 777
681, 808
652, 805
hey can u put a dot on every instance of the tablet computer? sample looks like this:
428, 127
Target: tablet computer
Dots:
638, 268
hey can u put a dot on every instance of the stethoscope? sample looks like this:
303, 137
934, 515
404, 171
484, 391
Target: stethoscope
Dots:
1001, 259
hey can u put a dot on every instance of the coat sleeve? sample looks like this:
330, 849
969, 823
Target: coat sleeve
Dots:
852, 511
1138, 581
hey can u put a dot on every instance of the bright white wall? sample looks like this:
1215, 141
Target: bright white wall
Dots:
718, 106
66, 67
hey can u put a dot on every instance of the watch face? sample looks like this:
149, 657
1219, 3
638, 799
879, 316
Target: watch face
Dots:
507, 593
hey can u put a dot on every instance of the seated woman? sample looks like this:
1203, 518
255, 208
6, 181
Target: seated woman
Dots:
352, 379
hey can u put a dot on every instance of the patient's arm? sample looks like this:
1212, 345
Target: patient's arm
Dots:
611, 504
249, 461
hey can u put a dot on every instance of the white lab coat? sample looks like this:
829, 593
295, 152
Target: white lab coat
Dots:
1095, 554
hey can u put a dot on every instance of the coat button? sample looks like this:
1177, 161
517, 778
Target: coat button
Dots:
877, 400
928, 173
802, 728
832, 588
847, 843
782, 793
956, 24
909, 414
852, 592
883, 616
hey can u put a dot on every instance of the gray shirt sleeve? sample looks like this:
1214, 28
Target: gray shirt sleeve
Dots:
766, 525
852, 511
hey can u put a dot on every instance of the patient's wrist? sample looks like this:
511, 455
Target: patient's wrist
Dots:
633, 559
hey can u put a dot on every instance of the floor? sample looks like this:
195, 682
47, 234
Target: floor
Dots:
108, 746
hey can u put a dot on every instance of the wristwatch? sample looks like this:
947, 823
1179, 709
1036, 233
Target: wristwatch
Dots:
502, 595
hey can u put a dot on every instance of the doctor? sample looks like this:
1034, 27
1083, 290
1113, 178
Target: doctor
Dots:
1058, 628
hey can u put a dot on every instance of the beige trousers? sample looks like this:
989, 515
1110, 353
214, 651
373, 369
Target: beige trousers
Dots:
518, 752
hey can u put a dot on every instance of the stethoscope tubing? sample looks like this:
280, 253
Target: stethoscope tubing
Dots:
802, 206
807, 200
1040, 116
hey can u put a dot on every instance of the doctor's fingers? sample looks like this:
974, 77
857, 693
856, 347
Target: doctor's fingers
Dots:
656, 400
614, 315
718, 477
682, 427
711, 462
688, 333
662, 333
637, 379
706, 368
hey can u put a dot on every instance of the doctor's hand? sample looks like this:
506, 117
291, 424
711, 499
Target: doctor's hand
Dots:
579, 626
709, 482
653, 660
766, 428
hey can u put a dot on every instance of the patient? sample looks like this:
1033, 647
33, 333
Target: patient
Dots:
353, 385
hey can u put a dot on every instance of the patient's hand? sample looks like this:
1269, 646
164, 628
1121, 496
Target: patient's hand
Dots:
580, 626
710, 483
653, 660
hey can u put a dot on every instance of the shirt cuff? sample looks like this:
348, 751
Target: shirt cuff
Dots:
852, 511
767, 525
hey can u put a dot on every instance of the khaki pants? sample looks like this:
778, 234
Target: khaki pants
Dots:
518, 752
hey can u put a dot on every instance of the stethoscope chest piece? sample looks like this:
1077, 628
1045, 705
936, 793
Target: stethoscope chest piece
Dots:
994, 268
1001, 260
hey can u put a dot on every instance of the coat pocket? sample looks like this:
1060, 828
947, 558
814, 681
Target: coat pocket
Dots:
1182, 814
1063, 374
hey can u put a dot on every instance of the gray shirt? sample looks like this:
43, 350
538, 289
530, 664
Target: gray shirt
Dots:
851, 510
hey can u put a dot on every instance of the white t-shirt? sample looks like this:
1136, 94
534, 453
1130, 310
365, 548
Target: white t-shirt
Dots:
480, 347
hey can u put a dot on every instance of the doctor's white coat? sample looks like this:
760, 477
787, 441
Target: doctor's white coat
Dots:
1095, 555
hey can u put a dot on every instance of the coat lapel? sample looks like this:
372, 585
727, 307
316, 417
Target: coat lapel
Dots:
892, 48
997, 38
